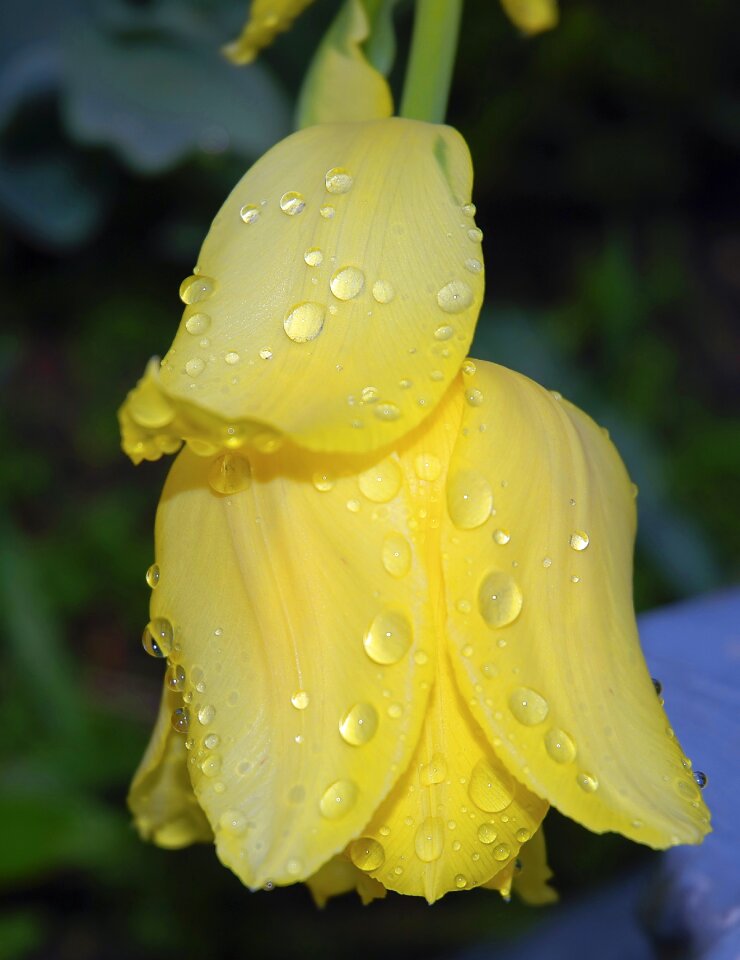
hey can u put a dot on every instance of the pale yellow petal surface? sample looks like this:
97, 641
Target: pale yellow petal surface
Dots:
161, 797
457, 816
335, 296
267, 18
530, 881
298, 593
538, 569
341, 84
340, 876
532, 16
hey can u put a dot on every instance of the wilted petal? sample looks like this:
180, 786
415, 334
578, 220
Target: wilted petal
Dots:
532, 16
267, 18
339, 876
538, 569
161, 797
335, 298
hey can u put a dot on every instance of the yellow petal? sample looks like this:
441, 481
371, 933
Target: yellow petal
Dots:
161, 798
294, 591
341, 85
457, 816
335, 309
530, 880
532, 16
267, 18
538, 570
340, 876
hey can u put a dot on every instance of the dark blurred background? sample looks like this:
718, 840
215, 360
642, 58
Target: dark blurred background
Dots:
608, 188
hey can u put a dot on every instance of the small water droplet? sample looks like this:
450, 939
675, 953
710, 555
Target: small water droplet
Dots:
469, 499
387, 411
388, 638
433, 772
180, 719
211, 741
206, 714
231, 357
313, 257
547, 562
461, 881
175, 678
195, 288
323, 481
300, 699
338, 799
195, 366
579, 540
560, 746
468, 209
266, 353
353, 505
468, 368
367, 854
487, 833
528, 706
304, 321
430, 839
232, 821
158, 637
152, 575
198, 324
455, 297
523, 835
396, 555
657, 685
383, 291
499, 599
501, 537
230, 474
250, 213
474, 397
473, 265
502, 851
327, 212
347, 283
475, 234
444, 332
380, 483
359, 724
394, 711
211, 766
338, 180
587, 782
489, 790
700, 779
292, 203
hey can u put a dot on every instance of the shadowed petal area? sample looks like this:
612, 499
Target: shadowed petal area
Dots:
267, 18
334, 299
531, 880
532, 16
339, 875
538, 569
161, 797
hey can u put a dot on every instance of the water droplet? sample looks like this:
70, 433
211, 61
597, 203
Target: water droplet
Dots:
304, 321
579, 540
474, 397
501, 536
250, 213
475, 234
487, 833
313, 257
382, 482
547, 562
396, 555
587, 782
266, 353
430, 839
433, 772
152, 575
206, 714
499, 599
468, 368
359, 724
338, 799
180, 719
560, 746
353, 505
327, 212
175, 678
195, 288
195, 366
229, 474
658, 686
292, 203
395, 710
323, 481
388, 638
469, 499
232, 821
231, 357
367, 854
158, 637
444, 332
211, 741
300, 699
700, 779
387, 411
489, 790
383, 291
455, 297
461, 881
338, 180
502, 852
198, 324
473, 265
523, 835
468, 209
347, 282
211, 766
528, 706
427, 466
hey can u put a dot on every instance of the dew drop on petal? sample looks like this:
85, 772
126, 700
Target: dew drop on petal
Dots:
433, 772
579, 540
323, 481
367, 854
158, 637
455, 297
206, 714
383, 291
499, 599
587, 782
487, 833
469, 499
396, 555
359, 724
229, 474
475, 234
250, 213
338, 799
292, 203
327, 212
427, 467
444, 332
180, 720
175, 678
501, 537
382, 482
560, 747
304, 321
300, 699
490, 791
313, 257
152, 575
429, 839
195, 366
338, 180
528, 706
388, 638
195, 288
347, 283
197, 324
387, 411
502, 852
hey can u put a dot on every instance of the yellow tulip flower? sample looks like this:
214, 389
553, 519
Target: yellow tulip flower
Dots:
393, 585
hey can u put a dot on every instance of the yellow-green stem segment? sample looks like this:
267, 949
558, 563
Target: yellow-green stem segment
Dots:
431, 60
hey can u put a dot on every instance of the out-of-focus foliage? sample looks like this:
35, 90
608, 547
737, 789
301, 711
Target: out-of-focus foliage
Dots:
607, 184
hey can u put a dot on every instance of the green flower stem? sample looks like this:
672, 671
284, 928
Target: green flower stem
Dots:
431, 60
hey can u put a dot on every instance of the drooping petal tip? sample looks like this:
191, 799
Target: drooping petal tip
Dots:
267, 18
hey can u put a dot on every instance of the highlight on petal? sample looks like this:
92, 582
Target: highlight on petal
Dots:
538, 571
267, 18
334, 299
532, 16
341, 85
339, 875
161, 797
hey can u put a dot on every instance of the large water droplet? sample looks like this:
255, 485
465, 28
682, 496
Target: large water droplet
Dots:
444, 332
180, 720
433, 772
175, 678
195, 366
338, 799
396, 555
475, 234
427, 466
388, 638
152, 575
387, 411
313, 257
198, 324
700, 779
501, 537
250, 213
528, 706
292, 203
158, 637
206, 714
487, 833
195, 288
499, 599
502, 851
383, 291
359, 724
300, 699
231, 357
347, 282
469, 499
230, 474
367, 854
468, 209
559, 746
579, 540
338, 180
490, 790
382, 482
430, 839
455, 297
304, 321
